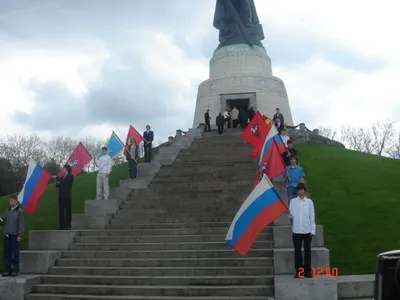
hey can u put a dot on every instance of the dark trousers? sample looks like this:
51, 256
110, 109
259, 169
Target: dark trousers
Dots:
243, 124
207, 128
11, 253
147, 153
298, 257
291, 193
228, 123
220, 129
132, 169
235, 123
64, 213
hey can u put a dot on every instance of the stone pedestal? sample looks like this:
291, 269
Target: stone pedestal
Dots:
241, 75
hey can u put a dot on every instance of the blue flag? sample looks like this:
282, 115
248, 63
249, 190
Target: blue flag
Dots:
114, 145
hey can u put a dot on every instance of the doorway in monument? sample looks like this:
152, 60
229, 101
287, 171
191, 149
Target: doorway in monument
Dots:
238, 103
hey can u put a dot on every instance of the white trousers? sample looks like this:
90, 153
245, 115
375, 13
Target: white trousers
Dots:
102, 187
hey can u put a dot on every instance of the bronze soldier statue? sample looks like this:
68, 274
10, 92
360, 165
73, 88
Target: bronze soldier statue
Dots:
238, 23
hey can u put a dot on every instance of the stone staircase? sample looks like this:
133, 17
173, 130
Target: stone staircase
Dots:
167, 241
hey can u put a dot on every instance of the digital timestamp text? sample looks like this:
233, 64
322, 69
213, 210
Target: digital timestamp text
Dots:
320, 272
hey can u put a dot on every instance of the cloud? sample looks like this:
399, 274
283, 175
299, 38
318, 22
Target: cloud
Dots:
102, 66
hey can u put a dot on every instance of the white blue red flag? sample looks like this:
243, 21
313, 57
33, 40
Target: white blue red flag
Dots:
35, 184
261, 208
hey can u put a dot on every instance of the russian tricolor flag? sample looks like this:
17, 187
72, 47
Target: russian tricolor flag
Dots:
35, 184
272, 135
261, 208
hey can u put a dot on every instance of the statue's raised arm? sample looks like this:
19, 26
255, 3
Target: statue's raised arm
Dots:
238, 23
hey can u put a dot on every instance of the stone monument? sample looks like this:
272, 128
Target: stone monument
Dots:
240, 69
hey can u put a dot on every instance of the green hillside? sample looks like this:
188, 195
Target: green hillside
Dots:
357, 200
46, 215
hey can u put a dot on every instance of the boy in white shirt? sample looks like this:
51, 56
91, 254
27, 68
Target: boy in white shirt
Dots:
104, 165
302, 212
284, 137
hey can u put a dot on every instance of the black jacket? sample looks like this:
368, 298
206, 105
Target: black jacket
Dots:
280, 116
220, 120
207, 118
148, 136
286, 156
64, 185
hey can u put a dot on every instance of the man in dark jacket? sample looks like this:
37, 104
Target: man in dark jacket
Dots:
279, 116
13, 223
243, 118
148, 136
207, 119
220, 121
64, 185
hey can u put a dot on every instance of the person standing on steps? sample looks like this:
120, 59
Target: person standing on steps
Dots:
64, 185
279, 125
279, 116
207, 119
301, 210
284, 137
105, 165
294, 176
243, 118
234, 117
290, 151
13, 223
132, 156
227, 119
220, 123
148, 137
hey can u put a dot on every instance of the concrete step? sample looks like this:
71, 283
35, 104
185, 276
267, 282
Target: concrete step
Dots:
190, 170
158, 280
159, 231
165, 262
165, 225
159, 238
215, 157
163, 271
221, 177
151, 290
178, 212
176, 199
195, 185
114, 297
165, 174
208, 253
166, 219
164, 246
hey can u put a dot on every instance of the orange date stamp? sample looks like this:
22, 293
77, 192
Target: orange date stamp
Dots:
320, 272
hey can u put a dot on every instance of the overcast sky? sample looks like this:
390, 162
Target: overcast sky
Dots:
86, 67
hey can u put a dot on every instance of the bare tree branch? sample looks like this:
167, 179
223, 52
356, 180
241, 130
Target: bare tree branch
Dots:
382, 135
327, 132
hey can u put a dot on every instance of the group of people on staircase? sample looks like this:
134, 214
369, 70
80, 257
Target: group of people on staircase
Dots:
301, 209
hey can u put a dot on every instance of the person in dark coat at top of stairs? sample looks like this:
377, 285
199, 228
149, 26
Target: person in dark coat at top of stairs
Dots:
220, 121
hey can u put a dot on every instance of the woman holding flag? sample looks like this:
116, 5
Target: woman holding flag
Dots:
132, 156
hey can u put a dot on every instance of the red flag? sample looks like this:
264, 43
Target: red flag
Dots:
273, 162
132, 133
78, 160
256, 131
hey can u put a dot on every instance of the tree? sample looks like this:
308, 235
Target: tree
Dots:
382, 135
327, 132
374, 140
6, 177
394, 147
93, 146
59, 148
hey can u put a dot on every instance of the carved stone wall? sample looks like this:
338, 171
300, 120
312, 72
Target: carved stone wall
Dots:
301, 135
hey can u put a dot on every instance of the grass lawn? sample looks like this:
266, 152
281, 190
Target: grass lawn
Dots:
357, 201
46, 215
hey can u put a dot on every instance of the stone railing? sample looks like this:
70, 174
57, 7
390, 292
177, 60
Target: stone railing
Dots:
300, 134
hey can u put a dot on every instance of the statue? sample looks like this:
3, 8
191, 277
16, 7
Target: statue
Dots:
238, 23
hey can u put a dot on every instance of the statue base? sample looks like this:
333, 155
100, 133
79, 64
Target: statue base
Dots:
241, 77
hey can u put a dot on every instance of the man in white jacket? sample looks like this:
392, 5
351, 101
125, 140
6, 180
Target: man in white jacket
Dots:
302, 212
103, 174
